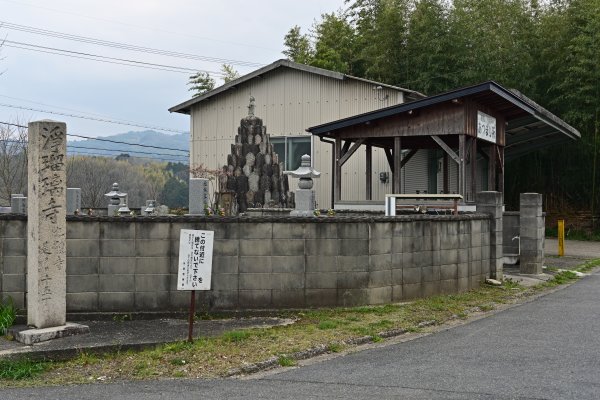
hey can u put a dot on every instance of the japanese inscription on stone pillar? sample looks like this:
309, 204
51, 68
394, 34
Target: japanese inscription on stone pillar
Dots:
46, 224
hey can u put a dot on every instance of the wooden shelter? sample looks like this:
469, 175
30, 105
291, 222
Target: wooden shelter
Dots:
484, 121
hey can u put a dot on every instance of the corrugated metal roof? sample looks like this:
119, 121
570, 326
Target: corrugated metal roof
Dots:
530, 126
184, 107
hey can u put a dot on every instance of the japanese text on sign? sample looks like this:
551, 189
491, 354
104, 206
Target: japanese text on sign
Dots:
195, 260
486, 127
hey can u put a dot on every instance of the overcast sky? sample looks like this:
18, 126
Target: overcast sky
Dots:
247, 31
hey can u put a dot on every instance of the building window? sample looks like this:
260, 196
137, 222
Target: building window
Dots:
290, 150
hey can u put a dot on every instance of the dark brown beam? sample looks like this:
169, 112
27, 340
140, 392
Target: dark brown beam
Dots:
408, 157
474, 175
348, 152
446, 176
446, 148
461, 165
492, 161
346, 146
390, 158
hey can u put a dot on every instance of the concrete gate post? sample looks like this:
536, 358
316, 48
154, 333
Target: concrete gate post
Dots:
491, 203
532, 232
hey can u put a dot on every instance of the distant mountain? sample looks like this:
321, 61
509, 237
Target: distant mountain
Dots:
128, 143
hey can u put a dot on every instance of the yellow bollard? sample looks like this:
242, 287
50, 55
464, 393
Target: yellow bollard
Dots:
561, 237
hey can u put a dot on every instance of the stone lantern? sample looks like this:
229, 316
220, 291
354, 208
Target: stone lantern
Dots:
117, 201
305, 196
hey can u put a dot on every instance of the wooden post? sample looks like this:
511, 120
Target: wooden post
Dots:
369, 167
397, 173
492, 166
445, 174
191, 318
501, 169
474, 174
337, 176
461, 165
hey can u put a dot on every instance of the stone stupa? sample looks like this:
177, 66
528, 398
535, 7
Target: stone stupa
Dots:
253, 171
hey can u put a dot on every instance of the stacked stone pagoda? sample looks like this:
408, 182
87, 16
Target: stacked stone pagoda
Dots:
253, 171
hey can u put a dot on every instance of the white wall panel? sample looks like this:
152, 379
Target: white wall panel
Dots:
290, 101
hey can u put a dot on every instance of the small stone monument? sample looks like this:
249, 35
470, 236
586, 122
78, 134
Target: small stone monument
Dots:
46, 235
305, 196
18, 204
199, 196
117, 201
73, 200
150, 208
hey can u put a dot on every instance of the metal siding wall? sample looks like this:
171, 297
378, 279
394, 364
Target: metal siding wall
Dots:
416, 173
289, 101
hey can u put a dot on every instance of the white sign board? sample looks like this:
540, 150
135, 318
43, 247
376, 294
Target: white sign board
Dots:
195, 259
486, 127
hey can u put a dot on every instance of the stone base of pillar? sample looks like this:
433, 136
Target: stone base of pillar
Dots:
32, 336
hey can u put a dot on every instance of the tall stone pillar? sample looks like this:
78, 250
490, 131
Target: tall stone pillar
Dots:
532, 226
491, 203
46, 224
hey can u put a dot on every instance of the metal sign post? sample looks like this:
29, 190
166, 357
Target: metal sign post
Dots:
195, 266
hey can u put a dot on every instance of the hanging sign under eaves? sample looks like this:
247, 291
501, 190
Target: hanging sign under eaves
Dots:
486, 127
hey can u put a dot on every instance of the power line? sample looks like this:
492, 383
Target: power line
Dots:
69, 109
104, 59
123, 151
138, 26
70, 146
131, 144
124, 46
79, 152
110, 121
111, 141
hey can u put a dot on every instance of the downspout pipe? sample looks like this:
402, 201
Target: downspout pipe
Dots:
332, 143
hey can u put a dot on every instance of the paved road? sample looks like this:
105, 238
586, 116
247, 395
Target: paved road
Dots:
545, 349
574, 248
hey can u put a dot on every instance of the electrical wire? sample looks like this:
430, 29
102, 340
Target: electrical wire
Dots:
111, 141
104, 59
69, 109
79, 152
109, 121
124, 46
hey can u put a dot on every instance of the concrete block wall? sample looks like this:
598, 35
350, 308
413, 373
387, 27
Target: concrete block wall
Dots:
13, 259
130, 264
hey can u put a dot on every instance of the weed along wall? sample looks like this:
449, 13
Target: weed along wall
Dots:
130, 264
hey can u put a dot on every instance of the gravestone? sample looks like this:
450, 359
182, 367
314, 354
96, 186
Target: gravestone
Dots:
46, 234
199, 196
73, 200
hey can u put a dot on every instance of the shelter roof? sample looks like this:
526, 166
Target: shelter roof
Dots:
185, 107
529, 125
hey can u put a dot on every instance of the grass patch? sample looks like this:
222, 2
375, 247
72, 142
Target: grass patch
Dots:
236, 336
8, 314
327, 325
589, 265
22, 369
216, 356
286, 361
335, 347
